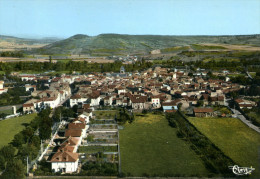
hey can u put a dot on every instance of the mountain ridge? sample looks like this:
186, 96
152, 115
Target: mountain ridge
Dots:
122, 44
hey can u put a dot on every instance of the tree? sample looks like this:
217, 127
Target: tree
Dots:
18, 140
45, 130
28, 132
7, 152
14, 169
200, 103
2, 163
36, 141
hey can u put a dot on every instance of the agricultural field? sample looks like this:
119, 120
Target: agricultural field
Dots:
12, 126
207, 47
149, 146
233, 137
175, 49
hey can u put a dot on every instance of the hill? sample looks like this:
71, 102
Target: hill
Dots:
118, 44
9, 43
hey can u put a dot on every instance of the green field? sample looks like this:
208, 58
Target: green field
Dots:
233, 137
207, 47
174, 49
221, 59
150, 146
12, 126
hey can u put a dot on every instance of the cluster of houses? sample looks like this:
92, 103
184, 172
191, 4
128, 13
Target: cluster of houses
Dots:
66, 158
58, 90
158, 88
243, 103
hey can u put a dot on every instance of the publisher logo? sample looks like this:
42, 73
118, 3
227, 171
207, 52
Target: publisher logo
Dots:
241, 170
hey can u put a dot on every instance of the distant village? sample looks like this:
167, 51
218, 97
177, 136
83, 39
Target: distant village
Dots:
152, 89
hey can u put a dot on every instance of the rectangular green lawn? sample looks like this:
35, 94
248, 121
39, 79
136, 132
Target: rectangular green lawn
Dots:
149, 145
12, 126
233, 137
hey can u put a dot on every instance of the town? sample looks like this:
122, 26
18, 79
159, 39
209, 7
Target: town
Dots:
129, 89
101, 103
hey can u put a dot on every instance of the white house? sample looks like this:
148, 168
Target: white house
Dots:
29, 87
65, 161
108, 100
27, 77
2, 89
76, 99
120, 90
52, 102
155, 101
94, 99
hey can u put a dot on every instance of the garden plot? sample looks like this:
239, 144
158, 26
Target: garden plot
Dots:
101, 143
102, 127
102, 121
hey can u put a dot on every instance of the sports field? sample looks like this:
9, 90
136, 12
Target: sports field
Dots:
12, 126
149, 146
233, 137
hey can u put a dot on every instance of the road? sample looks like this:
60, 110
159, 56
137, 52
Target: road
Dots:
242, 118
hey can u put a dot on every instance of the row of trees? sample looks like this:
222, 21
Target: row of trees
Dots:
218, 64
12, 54
70, 65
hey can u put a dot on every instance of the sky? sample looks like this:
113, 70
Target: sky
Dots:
65, 18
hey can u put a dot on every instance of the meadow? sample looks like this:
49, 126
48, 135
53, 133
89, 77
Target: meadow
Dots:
149, 146
12, 126
233, 137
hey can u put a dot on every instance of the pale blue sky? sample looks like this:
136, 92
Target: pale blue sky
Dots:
64, 18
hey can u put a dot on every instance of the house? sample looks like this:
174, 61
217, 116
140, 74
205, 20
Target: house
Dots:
203, 112
138, 102
27, 77
71, 143
217, 100
94, 99
120, 90
76, 99
108, 100
243, 103
73, 133
78, 126
155, 100
2, 89
168, 106
29, 87
64, 161
28, 108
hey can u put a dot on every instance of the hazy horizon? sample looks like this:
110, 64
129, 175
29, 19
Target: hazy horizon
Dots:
39, 37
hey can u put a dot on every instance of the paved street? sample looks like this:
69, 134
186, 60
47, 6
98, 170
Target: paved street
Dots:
244, 120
